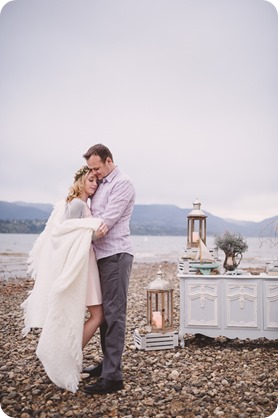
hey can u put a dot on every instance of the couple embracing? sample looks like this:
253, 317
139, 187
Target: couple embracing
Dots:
84, 258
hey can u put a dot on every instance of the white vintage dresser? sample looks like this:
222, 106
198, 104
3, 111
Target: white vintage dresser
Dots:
244, 306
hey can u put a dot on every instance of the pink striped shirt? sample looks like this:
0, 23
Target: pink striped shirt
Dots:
114, 202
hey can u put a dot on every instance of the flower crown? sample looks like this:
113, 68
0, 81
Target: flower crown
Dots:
83, 170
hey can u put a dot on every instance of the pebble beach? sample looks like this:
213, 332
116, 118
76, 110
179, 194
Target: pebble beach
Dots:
208, 377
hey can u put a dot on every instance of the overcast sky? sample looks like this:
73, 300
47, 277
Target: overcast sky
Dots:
183, 92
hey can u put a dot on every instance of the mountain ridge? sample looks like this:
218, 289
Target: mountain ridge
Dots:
152, 219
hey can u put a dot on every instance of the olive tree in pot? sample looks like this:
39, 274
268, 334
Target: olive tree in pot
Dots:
233, 245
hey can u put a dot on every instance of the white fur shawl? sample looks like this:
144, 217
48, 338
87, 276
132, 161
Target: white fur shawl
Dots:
59, 265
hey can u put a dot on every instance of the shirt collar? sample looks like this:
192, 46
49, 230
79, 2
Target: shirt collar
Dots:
110, 176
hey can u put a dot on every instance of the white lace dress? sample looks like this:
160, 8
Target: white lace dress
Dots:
58, 263
77, 208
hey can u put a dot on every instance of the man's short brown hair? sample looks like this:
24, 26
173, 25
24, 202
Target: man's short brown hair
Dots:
99, 149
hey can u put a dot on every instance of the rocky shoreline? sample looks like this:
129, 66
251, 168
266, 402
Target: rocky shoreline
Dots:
207, 378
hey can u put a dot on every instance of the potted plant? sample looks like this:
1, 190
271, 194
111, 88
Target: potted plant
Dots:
233, 245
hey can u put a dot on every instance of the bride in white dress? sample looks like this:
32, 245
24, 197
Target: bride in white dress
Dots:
62, 262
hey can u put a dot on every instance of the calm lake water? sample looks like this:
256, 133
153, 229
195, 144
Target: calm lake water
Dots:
14, 250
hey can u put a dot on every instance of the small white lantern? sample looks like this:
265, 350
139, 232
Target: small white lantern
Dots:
196, 226
160, 297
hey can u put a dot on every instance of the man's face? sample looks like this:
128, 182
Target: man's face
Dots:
99, 168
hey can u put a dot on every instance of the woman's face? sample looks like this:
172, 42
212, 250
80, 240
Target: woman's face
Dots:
90, 184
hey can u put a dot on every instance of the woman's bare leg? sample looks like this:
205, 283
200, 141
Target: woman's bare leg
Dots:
92, 323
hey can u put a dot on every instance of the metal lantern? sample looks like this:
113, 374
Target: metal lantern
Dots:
160, 304
196, 226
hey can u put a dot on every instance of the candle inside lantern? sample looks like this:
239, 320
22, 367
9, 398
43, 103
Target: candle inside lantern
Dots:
157, 319
195, 236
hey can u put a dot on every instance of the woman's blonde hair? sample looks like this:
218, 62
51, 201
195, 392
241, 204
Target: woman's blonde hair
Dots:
79, 183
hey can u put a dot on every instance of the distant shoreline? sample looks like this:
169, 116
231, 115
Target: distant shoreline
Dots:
14, 249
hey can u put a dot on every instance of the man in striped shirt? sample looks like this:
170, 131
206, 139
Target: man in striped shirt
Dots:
113, 202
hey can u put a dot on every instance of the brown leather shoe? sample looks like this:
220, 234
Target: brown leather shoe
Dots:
93, 371
103, 386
